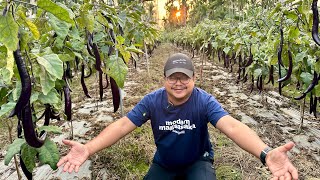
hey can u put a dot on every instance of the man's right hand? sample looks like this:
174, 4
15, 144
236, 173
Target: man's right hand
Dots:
75, 158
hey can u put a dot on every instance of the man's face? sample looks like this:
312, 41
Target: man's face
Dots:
179, 87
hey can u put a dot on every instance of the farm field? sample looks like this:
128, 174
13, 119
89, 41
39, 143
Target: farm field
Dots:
275, 118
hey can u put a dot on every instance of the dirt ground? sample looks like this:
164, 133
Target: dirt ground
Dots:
130, 157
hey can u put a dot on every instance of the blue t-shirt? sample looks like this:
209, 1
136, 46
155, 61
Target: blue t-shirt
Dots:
180, 132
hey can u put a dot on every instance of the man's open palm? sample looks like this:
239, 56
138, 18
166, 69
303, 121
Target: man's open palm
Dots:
279, 163
75, 158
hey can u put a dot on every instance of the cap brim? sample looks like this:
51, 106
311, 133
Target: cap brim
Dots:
182, 70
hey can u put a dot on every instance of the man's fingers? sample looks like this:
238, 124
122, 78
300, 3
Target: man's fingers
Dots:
68, 142
71, 168
66, 167
62, 161
294, 172
286, 147
77, 168
287, 176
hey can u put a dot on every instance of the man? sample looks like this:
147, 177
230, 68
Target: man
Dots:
179, 115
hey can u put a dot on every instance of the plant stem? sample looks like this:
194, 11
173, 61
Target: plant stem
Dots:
11, 140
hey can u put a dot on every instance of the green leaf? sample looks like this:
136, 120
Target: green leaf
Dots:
28, 155
317, 90
306, 77
132, 48
226, 49
5, 108
47, 82
51, 98
13, 149
120, 40
52, 64
257, 72
87, 19
49, 154
9, 32
56, 10
60, 27
53, 129
294, 32
34, 97
118, 70
10, 63
317, 67
32, 27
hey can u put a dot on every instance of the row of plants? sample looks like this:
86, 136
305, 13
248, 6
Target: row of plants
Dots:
43, 44
277, 45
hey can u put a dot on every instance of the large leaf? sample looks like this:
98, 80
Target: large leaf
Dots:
13, 149
28, 155
132, 48
9, 32
56, 10
5, 108
306, 77
49, 154
51, 98
117, 70
52, 64
47, 82
10, 63
60, 27
32, 27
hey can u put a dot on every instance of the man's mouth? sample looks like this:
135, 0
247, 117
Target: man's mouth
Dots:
179, 89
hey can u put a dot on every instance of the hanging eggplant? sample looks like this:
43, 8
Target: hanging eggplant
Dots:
97, 57
315, 24
30, 134
107, 82
289, 72
250, 60
280, 47
84, 87
25, 84
115, 94
310, 87
271, 78
67, 103
100, 85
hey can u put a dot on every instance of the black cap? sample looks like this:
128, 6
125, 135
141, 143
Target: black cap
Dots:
179, 63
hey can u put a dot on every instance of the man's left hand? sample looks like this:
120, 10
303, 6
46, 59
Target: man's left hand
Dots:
279, 164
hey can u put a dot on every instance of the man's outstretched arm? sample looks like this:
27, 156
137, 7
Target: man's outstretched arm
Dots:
79, 153
276, 160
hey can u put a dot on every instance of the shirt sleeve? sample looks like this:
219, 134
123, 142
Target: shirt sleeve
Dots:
141, 112
215, 111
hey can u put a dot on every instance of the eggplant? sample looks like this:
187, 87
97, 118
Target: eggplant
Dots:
310, 87
315, 24
25, 84
271, 78
250, 60
100, 85
311, 104
107, 82
115, 94
97, 57
67, 103
30, 134
68, 71
289, 72
280, 47
84, 87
